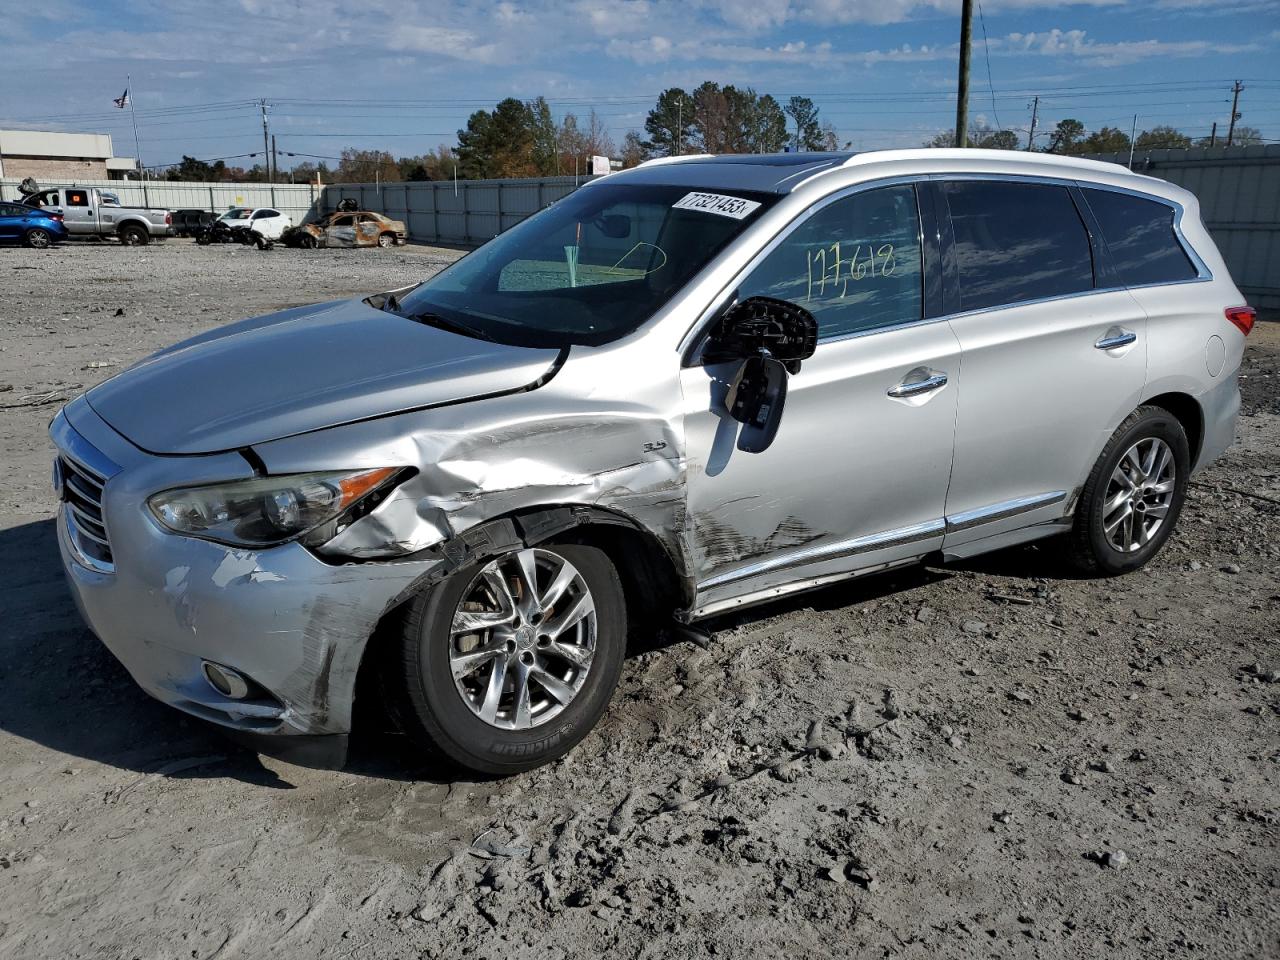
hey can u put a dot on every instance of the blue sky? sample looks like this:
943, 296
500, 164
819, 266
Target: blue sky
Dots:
403, 75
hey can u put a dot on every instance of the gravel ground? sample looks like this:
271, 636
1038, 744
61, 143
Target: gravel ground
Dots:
994, 759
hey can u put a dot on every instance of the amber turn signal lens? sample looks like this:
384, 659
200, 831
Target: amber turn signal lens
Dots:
355, 487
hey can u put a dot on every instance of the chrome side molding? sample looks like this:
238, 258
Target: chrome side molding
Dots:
1002, 510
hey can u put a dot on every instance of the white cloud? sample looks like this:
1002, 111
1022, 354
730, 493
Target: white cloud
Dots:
760, 15
441, 41
1056, 43
1075, 43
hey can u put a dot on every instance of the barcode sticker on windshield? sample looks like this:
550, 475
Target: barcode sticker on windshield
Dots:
717, 203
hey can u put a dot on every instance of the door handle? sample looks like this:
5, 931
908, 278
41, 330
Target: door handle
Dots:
1122, 339
917, 387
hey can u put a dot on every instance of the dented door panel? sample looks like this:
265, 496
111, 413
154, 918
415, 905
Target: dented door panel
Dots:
855, 477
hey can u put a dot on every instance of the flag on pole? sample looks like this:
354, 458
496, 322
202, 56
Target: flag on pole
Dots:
122, 101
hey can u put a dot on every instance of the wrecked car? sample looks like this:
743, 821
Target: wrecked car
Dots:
682, 390
348, 228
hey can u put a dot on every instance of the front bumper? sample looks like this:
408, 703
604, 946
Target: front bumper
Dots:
294, 625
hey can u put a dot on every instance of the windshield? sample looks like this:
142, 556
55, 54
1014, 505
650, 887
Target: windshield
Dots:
588, 269
237, 213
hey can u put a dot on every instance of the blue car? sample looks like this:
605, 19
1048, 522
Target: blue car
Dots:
23, 223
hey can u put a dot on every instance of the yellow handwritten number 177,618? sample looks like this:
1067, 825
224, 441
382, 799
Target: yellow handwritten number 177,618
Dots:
880, 260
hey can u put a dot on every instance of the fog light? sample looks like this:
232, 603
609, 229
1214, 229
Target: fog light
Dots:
226, 681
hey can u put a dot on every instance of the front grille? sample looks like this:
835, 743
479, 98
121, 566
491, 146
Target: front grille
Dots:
82, 509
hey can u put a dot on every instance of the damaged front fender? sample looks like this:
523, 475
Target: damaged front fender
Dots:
557, 446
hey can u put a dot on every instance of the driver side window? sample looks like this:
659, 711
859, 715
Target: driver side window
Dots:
855, 264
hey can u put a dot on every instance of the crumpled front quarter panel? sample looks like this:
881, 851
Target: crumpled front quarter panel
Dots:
604, 432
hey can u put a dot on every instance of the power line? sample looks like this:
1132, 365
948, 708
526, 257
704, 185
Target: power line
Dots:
987, 50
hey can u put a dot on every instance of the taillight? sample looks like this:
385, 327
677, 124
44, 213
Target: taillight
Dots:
168, 219
55, 216
1242, 317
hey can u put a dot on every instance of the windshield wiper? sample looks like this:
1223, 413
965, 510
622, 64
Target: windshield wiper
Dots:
444, 323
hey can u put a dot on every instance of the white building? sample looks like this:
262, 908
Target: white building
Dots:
50, 156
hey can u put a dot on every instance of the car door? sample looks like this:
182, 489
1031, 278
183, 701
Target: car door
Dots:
857, 475
368, 229
1054, 355
11, 221
341, 231
269, 223
78, 212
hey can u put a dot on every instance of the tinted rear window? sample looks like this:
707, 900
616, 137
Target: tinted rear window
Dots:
1140, 238
1016, 242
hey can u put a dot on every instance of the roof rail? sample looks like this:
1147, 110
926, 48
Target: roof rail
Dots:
972, 153
659, 161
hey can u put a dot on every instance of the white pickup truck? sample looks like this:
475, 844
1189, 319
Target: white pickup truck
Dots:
90, 212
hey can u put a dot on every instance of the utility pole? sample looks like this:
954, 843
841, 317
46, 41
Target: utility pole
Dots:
266, 140
1236, 89
1132, 134
1035, 115
679, 122
275, 160
962, 86
1213, 135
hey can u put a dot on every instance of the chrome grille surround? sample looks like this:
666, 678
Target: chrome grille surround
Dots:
80, 488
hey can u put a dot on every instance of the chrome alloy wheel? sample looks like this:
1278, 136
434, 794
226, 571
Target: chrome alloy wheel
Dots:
522, 639
1139, 495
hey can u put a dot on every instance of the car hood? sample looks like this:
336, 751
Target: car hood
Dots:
301, 370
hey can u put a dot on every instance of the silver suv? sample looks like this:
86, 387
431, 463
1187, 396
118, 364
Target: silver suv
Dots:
684, 389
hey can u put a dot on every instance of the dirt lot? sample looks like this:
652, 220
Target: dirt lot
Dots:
989, 760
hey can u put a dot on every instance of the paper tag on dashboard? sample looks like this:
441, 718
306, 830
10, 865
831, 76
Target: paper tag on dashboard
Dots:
716, 203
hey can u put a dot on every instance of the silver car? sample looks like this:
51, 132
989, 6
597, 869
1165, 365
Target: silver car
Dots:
684, 389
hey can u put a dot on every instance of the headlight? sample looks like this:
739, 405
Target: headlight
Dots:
272, 510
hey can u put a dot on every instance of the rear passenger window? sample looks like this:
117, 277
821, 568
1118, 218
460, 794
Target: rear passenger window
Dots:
1140, 238
855, 264
1016, 242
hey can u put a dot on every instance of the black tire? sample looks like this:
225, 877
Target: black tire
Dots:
132, 235
38, 238
431, 709
1089, 547
386, 239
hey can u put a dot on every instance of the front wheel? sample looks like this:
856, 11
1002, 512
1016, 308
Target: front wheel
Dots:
1133, 496
386, 240
38, 239
510, 663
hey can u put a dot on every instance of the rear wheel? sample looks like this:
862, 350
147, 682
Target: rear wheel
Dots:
132, 235
510, 663
38, 238
1133, 496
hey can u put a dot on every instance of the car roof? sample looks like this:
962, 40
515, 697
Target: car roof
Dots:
767, 172
784, 172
